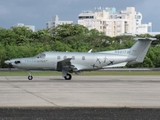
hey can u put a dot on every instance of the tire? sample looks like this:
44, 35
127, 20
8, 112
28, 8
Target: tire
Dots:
68, 77
30, 77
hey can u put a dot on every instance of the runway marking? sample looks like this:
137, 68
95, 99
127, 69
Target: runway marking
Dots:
15, 86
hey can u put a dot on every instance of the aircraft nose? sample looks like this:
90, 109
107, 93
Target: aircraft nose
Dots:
7, 62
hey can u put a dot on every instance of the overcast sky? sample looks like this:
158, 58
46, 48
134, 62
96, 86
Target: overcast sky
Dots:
38, 12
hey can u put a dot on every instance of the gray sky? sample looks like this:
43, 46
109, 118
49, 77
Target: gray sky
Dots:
38, 12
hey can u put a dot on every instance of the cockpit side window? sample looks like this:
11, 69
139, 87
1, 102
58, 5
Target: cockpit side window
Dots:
41, 55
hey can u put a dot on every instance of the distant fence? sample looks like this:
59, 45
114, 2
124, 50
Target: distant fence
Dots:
108, 69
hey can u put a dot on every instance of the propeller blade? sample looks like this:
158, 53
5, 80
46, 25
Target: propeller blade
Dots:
9, 64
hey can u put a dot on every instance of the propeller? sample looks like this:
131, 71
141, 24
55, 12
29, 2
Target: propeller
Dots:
9, 63
10, 66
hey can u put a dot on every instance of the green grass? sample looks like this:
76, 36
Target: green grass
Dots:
92, 73
123, 73
26, 73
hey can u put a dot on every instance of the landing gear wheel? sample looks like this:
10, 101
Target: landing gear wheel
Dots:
30, 77
68, 77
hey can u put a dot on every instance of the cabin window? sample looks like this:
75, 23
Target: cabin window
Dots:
73, 58
58, 57
83, 58
65, 57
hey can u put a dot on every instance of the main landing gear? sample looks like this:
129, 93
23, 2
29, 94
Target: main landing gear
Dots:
68, 76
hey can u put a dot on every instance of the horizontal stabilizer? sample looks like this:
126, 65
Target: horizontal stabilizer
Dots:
150, 39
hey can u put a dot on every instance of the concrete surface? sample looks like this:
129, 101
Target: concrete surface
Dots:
81, 91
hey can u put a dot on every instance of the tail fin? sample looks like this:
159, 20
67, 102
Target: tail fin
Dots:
140, 48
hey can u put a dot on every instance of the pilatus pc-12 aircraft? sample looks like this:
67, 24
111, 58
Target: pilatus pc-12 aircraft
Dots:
75, 62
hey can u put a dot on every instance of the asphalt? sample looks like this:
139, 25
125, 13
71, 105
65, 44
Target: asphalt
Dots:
79, 114
84, 97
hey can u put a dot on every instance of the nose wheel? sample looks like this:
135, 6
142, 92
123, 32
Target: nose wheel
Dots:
30, 77
68, 77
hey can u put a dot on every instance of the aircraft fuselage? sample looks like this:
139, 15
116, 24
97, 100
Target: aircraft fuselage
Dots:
83, 61
74, 62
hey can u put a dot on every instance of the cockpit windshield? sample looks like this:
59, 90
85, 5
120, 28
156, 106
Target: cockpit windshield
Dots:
42, 55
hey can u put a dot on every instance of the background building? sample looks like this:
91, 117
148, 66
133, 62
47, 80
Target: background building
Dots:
31, 27
55, 21
112, 23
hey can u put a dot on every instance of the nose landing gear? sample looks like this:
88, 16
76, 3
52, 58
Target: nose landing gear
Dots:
30, 77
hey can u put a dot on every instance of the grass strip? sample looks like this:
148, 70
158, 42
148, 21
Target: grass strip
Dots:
92, 73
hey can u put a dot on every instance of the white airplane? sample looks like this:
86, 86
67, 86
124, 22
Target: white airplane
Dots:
75, 62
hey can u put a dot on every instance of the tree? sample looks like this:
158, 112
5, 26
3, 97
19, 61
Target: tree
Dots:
18, 42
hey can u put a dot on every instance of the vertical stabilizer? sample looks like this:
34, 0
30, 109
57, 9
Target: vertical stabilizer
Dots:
140, 48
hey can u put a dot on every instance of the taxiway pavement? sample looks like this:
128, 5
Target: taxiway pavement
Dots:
81, 91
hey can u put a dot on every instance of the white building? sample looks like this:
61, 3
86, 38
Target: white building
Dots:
55, 21
112, 23
31, 27
142, 28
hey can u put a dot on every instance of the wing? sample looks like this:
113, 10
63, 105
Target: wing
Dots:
66, 65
